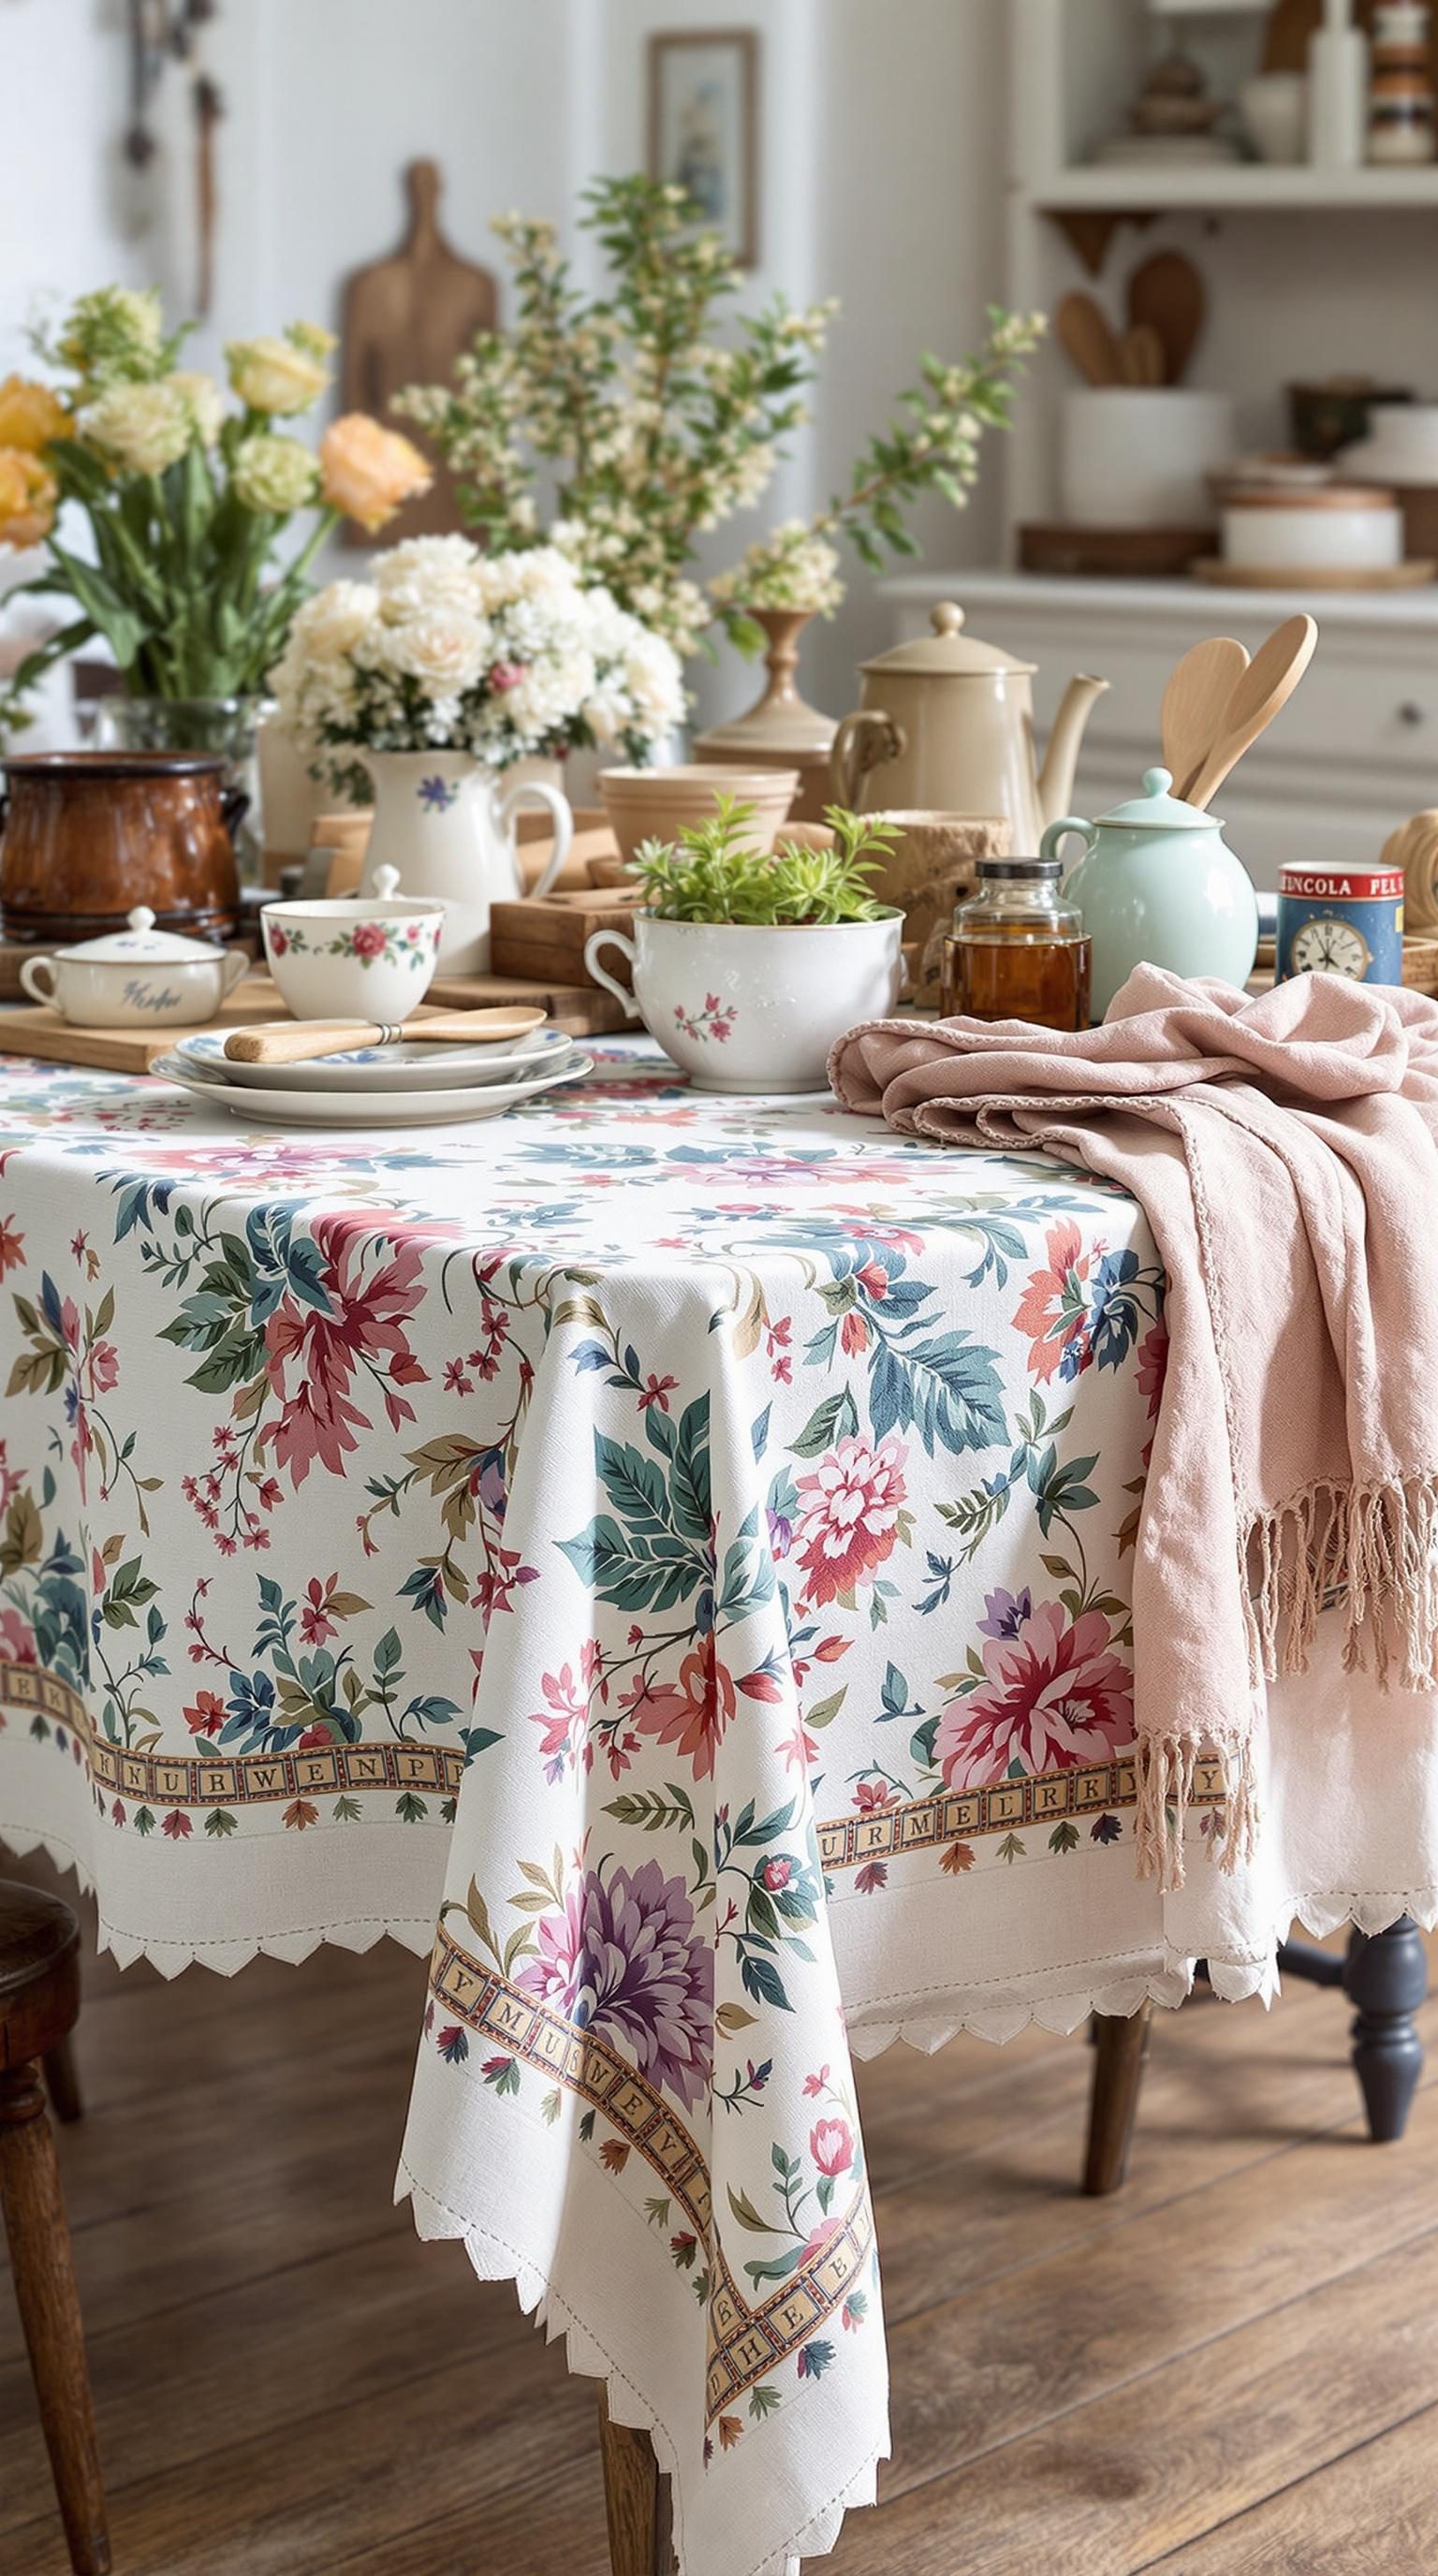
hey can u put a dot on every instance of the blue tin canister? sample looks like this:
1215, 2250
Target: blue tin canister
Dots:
1340, 921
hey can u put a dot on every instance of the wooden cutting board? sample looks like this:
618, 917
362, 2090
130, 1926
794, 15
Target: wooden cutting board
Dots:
583, 1010
406, 319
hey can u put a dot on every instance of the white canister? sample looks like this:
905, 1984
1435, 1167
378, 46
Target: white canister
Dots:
1139, 456
1328, 528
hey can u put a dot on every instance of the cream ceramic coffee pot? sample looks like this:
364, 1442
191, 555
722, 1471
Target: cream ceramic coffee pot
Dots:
947, 724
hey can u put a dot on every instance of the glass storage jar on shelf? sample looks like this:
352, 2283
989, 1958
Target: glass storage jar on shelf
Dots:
1018, 950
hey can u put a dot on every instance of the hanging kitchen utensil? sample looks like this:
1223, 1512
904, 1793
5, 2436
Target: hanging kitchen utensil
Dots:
1167, 293
1266, 686
1196, 700
1083, 331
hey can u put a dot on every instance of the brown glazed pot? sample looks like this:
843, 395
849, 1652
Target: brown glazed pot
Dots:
88, 835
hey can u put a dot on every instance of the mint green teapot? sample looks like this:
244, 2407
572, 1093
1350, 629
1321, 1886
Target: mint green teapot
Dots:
1158, 885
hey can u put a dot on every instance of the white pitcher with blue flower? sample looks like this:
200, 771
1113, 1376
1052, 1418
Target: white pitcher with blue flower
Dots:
446, 821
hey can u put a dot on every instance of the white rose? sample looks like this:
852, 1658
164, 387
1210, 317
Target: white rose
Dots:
140, 428
335, 621
429, 572
445, 649
207, 403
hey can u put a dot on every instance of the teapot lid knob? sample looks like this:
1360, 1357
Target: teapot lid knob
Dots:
947, 618
386, 883
141, 919
1157, 782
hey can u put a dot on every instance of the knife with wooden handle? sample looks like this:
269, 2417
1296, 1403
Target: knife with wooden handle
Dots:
307, 1040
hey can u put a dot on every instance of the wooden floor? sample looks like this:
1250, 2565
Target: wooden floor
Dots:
1229, 2370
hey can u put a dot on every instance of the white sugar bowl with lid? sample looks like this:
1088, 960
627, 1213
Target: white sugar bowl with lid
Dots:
135, 978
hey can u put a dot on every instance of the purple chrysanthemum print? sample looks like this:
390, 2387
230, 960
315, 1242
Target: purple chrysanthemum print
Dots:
438, 794
623, 1960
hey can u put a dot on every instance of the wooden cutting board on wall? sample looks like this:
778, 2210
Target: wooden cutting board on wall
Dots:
405, 321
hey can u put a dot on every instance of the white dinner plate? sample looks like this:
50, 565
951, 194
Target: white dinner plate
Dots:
415, 1064
367, 1108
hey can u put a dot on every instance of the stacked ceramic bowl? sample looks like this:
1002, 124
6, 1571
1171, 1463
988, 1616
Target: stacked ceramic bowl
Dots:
415, 1083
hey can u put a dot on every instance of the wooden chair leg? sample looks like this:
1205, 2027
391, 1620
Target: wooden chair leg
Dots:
61, 2081
45, 2293
636, 2500
1120, 2047
1385, 1976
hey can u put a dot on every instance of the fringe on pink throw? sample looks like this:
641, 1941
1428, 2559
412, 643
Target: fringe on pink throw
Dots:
1285, 1153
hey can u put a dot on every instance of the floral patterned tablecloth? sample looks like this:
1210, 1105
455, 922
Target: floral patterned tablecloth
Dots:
678, 1546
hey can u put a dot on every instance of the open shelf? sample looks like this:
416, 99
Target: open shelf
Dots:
1255, 186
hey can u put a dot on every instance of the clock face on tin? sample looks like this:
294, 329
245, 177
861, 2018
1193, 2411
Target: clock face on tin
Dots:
1324, 947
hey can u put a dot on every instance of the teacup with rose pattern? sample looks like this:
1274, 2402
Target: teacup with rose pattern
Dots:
363, 957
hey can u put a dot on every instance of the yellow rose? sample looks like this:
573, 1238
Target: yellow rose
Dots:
277, 375
28, 494
30, 415
370, 472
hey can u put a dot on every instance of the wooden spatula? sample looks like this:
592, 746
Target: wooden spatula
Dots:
307, 1040
1195, 703
1266, 685
1083, 330
1167, 293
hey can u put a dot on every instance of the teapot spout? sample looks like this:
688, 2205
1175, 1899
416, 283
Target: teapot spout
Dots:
1056, 778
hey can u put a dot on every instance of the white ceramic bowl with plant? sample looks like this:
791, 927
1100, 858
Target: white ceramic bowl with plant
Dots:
748, 963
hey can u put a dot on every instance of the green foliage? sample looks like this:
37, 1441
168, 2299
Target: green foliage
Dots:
714, 872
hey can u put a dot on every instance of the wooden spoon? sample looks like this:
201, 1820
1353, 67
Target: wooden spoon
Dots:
1141, 355
1266, 685
1083, 330
1167, 292
1195, 703
307, 1040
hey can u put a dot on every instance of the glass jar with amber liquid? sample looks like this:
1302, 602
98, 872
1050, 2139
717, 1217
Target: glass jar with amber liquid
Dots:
1018, 950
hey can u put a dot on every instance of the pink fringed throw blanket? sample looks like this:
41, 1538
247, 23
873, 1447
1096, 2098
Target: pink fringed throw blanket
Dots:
1285, 1152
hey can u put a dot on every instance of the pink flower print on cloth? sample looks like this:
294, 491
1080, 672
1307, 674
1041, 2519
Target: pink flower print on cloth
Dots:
1052, 1696
850, 1516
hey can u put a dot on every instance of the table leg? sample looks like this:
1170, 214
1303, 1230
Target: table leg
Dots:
45, 2294
1120, 2047
62, 2083
1385, 1976
636, 2500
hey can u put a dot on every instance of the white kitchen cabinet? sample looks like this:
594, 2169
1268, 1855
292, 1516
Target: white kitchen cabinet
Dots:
1353, 752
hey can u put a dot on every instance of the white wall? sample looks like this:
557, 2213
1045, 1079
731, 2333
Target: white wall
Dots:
62, 184
880, 125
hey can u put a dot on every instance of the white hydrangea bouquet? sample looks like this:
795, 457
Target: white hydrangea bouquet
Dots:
187, 495
445, 648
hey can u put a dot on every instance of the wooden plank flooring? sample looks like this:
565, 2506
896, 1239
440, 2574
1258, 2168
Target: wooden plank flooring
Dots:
1231, 2369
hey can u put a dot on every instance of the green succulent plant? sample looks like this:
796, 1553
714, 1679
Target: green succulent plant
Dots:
713, 872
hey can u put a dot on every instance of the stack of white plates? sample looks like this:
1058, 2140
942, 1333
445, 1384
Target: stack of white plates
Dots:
413, 1084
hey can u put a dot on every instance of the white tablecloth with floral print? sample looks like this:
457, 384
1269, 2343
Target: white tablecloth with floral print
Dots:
678, 1546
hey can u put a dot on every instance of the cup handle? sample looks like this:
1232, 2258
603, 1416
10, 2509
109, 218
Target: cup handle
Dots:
561, 815
236, 966
862, 741
31, 969
610, 939
1056, 832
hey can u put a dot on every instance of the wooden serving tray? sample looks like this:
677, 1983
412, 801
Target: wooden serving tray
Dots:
32, 1030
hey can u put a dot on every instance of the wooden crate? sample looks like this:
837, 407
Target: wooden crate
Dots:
547, 934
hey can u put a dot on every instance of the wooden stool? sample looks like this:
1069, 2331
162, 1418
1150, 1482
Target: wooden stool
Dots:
39, 2005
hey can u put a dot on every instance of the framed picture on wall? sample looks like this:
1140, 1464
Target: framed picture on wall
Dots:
704, 127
